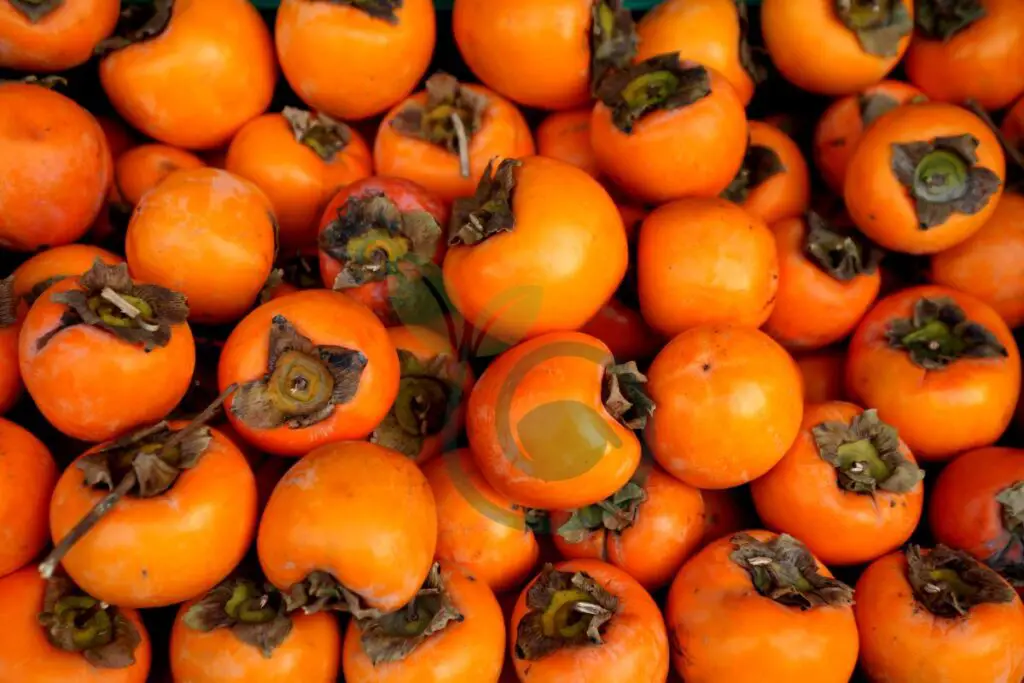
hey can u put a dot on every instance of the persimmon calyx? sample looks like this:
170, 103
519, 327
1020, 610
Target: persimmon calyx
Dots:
948, 583
784, 570
301, 271
50, 82
625, 397
752, 60
378, 9
879, 25
392, 637
1012, 501
613, 39
321, 592
303, 383
274, 280
943, 19
1009, 560
8, 303
939, 334
759, 164
616, 513
866, 455
659, 83
844, 255
873, 106
40, 287
489, 210
36, 10
537, 520
565, 609
327, 137
254, 612
137, 23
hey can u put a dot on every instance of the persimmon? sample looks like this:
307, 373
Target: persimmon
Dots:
40, 271
385, 45
823, 375
565, 135
550, 422
987, 264
840, 128
11, 315
665, 128
729, 405
312, 367
208, 234
29, 474
587, 619
940, 366
55, 156
300, 160
101, 354
53, 35
218, 52
352, 526
703, 261
240, 631
736, 608
652, 510
836, 48
1012, 126
540, 248
452, 630
773, 182
726, 511
58, 633
624, 331
119, 137
632, 217
938, 614
924, 178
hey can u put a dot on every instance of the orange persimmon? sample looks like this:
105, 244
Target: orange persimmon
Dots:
119, 137
822, 373
726, 511
28, 475
1012, 126
565, 135
11, 316
773, 182
624, 331
40, 271
53, 35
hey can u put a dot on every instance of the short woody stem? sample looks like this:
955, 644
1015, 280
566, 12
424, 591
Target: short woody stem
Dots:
200, 420
460, 135
127, 308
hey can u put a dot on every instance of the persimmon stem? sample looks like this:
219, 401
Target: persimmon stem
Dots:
1011, 151
200, 420
127, 308
460, 135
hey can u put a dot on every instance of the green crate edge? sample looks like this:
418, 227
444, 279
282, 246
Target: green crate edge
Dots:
447, 4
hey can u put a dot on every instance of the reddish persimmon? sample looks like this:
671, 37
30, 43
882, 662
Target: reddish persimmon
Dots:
726, 511
632, 217
773, 182
940, 366
1012, 127
624, 331
39, 272
11, 316
119, 137
565, 135
53, 35
28, 475
822, 373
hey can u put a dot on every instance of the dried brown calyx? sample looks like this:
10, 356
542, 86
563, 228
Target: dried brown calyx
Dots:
939, 334
489, 210
371, 237
565, 610
943, 19
321, 592
322, 134
137, 23
51, 82
392, 637
752, 60
616, 513
254, 611
36, 10
843, 254
1009, 560
107, 298
942, 177
948, 583
759, 164
8, 303
659, 83
625, 397
613, 39
866, 455
785, 571
875, 105
880, 25
378, 9
302, 271
76, 622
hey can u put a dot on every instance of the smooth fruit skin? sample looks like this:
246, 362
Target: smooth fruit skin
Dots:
91, 385
883, 209
69, 260
29, 474
142, 168
786, 194
726, 511
705, 261
565, 135
207, 234
311, 653
347, 64
624, 330
155, 552
938, 414
54, 171
63, 39
26, 656
362, 512
813, 49
722, 629
900, 640
823, 373
472, 649
729, 406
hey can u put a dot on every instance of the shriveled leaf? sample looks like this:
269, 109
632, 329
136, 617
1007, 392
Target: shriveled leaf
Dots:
433, 121
659, 83
254, 612
327, 137
137, 23
943, 19
842, 254
489, 211
783, 570
1011, 499
321, 592
625, 395
879, 25
759, 165
616, 513
949, 583
939, 333
613, 39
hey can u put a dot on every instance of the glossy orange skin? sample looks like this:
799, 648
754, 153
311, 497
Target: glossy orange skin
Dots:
693, 151
823, 374
562, 261
29, 474
360, 511
469, 650
705, 261
294, 177
207, 234
900, 640
219, 52
729, 405
142, 168
311, 653
671, 519
726, 511
883, 209
200, 530
937, 413
56, 168
61, 40
93, 386
11, 386
635, 646
987, 264
724, 630
382, 61
1012, 126
327, 318
119, 137
557, 368
565, 135
786, 194
26, 654
813, 49
68, 260
841, 126
624, 331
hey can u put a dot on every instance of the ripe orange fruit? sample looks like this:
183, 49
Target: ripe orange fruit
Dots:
42, 270
565, 135
774, 182
11, 314
28, 475
53, 35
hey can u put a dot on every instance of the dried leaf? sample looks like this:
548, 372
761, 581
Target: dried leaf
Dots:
659, 83
137, 23
321, 592
939, 334
255, 613
613, 39
753, 60
40, 287
880, 25
949, 583
866, 454
783, 570
432, 122
327, 137
873, 106
490, 210
625, 396
844, 255
759, 164
943, 19
616, 513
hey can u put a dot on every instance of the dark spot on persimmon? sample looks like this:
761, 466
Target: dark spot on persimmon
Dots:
145, 573
706, 367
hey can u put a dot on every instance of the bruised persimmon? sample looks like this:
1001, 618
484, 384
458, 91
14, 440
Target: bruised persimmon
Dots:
773, 183
300, 160
624, 331
11, 316
836, 48
940, 366
42, 270
924, 177
731, 602
352, 59
28, 475
53, 35
189, 73
823, 374
565, 135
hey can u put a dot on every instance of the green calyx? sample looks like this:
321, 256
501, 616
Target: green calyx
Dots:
943, 19
36, 10
616, 513
137, 23
866, 455
939, 334
322, 134
613, 39
949, 583
759, 164
783, 570
659, 83
255, 613
843, 255
880, 25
